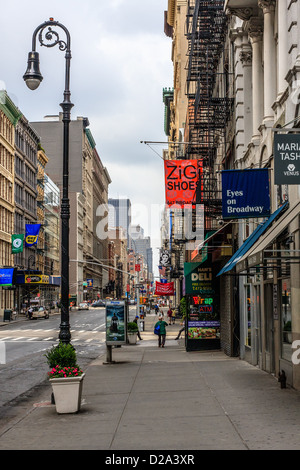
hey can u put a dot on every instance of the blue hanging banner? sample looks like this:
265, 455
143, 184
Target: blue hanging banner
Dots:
245, 193
31, 234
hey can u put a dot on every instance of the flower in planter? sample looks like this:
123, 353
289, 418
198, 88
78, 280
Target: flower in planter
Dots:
62, 361
58, 372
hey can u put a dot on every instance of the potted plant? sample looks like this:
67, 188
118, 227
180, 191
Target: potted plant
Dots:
66, 378
132, 330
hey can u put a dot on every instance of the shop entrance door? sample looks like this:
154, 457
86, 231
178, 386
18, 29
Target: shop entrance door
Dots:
269, 328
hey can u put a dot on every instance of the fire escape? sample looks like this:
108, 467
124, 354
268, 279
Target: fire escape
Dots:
209, 103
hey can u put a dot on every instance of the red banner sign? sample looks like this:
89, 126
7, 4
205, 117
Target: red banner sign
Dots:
181, 179
164, 288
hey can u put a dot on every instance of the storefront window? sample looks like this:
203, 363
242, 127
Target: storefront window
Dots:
286, 319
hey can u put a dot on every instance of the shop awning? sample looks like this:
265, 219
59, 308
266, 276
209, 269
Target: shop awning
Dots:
243, 251
256, 255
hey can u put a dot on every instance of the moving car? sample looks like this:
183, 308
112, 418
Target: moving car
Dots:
39, 312
98, 303
83, 306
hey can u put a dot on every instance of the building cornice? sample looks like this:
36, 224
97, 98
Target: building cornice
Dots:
171, 12
9, 108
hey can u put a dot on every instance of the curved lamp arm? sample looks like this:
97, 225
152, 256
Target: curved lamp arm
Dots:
47, 38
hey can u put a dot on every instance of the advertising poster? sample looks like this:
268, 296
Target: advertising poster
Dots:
182, 178
203, 322
240, 195
115, 322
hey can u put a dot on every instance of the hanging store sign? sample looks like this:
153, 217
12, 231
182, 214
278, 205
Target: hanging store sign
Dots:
165, 258
182, 178
245, 193
286, 158
32, 234
164, 288
17, 243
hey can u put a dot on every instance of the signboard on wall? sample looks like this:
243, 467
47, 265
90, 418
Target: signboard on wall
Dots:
203, 312
203, 320
6, 277
245, 193
198, 279
286, 158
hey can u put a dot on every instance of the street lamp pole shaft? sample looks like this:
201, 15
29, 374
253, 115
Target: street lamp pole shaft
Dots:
64, 334
49, 37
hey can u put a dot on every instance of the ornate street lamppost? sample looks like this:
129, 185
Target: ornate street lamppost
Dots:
33, 78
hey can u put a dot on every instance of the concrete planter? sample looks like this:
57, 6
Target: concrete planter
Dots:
67, 393
132, 337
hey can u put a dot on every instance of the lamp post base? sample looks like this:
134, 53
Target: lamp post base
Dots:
64, 333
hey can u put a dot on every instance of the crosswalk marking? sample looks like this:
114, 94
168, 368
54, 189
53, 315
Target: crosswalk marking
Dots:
52, 335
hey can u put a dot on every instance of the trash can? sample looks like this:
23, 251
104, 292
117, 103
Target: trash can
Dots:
7, 315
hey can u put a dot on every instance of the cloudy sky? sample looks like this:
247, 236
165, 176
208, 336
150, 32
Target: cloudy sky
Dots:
121, 61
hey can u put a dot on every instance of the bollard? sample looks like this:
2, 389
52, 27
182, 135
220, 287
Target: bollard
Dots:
282, 379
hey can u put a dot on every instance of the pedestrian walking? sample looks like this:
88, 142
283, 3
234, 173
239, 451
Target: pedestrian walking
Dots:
169, 313
30, 311
183, 328
162, 331
173, 316
138, 332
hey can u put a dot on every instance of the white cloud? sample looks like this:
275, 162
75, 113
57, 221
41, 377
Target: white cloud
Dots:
121, 61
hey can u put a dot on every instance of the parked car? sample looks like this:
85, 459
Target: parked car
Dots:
98, 303
83, 306
39, 312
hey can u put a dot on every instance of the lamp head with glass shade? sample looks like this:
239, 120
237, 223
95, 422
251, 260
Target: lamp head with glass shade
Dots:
33, 76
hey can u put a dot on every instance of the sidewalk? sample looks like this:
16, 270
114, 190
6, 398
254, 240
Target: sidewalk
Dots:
162, 399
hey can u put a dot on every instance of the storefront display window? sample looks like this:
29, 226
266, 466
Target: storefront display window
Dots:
286, 319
